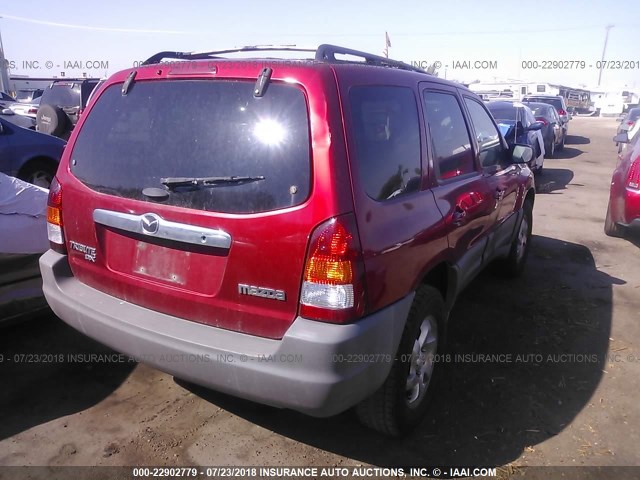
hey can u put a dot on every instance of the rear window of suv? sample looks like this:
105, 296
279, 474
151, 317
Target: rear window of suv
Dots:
68, 94
195, 129
63, 94
556, 102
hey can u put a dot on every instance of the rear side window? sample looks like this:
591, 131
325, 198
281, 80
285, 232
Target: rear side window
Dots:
452, 152
387, 135
195, 129
63, 95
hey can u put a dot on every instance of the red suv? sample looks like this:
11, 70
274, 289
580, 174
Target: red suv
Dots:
293, 232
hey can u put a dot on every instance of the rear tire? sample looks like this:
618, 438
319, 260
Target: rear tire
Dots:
38, 172
514, 264
561, 146
551, 149
611, 228
401, 402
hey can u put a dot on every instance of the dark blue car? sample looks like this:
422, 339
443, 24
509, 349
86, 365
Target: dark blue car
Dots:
29, 155
518, 125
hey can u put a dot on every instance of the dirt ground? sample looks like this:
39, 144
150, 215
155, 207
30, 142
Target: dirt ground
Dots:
569, 395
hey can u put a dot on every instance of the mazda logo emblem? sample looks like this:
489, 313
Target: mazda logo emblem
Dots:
150, 223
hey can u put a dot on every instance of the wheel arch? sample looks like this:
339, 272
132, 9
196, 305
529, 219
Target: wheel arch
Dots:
443, 277
48, 161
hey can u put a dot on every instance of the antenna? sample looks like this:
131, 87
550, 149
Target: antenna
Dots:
4, 74
604, 49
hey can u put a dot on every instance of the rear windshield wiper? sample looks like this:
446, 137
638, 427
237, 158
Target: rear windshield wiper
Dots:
203, 182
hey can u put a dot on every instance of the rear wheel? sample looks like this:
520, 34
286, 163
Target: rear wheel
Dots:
401, 402
513, 265
38, 172
611, 228
551, 149
561, 146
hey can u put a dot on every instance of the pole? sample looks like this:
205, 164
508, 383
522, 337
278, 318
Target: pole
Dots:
604, 49
4, 75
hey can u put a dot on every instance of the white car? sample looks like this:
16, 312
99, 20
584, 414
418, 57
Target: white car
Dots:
26, 109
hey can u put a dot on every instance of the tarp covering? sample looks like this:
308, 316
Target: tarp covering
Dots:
23, 216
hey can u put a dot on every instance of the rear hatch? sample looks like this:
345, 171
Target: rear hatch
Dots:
145, 221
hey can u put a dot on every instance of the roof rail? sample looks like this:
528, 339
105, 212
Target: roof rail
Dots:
213, 53
328, 53
324, 53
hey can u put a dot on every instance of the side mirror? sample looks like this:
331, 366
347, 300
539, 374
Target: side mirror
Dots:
535, 126
621, 138
521, 154
7, 111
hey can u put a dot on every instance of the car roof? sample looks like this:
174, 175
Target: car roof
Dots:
505, 104
540, 105
543, 96
324, 55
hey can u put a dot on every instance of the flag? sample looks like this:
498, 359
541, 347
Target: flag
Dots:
387, 44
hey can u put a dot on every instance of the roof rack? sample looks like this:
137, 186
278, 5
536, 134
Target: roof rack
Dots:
327, 53
324, 53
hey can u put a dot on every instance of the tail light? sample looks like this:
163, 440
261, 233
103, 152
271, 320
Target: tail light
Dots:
631, 123
32, 111
633, 179
54, 217
543, 120
562, 111
333, 287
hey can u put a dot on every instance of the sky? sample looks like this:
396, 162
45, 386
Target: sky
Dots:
472, 40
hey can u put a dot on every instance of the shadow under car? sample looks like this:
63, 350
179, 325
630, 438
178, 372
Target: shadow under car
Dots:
524, 358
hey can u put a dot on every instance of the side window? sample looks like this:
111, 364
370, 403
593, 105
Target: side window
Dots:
387, 135
489, 143
451, 146
528, 118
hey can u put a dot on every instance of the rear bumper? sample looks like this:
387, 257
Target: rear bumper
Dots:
633, 225
631, 208
317, 368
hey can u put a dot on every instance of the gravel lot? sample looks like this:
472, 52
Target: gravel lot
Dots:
579, 297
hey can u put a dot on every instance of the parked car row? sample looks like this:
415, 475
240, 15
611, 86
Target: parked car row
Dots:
537, 121
54, 110
517, 125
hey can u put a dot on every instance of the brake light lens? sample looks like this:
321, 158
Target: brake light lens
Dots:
562, 111
54, 217
633, 179
543, 120
333, 284
631, 123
